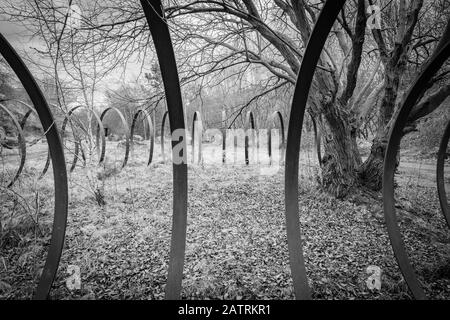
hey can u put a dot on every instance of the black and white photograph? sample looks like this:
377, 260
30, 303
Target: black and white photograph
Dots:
245, 152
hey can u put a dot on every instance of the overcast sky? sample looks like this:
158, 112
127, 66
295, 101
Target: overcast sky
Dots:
21, 40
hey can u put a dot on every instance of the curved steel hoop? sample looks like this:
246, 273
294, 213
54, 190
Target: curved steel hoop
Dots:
442, 155
197, 121
22, 146
316, 42
250, 122
438, 58
163, 45
163, 124
78, 140
274, 116
23, 121
127, 134
150, 128
59, 168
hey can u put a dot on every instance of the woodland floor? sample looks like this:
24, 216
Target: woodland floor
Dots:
236, 238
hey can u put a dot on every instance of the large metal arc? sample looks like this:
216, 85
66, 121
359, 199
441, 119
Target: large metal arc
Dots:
127, 135
78, 140
396, 134
164, 50
150, 128
442, 154
197, 118
316, 42
22, 146
59, 168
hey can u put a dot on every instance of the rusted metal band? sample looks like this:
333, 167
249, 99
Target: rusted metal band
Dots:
395, 136
150, 128
166, 57
163, 124
22, 146
78, 139
316, 42
442, 155
197, 119
59, 167
127, 133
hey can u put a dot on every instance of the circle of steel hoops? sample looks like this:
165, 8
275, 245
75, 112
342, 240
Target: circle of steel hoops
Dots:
161, 38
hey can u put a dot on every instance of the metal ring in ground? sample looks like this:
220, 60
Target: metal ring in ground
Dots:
250, 120
163, 124
22, 124
316, 42
22, 146
150, 128
127, 134
442, 154
78, 140
197, 119
59, 167
166, 57
413, 94
271, 120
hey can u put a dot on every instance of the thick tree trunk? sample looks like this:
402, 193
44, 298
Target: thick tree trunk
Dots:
371, 171
341, 159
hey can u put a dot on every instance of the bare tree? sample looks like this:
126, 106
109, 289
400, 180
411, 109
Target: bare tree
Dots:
359, 82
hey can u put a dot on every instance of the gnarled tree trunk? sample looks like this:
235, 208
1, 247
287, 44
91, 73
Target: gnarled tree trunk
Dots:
371, 171
341, 158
